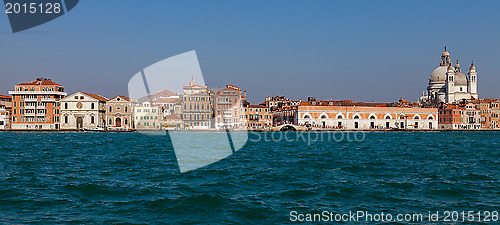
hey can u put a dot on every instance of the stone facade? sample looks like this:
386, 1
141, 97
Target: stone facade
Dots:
147, 116
228, 110
83, 111
197, 110
359, 117
120, 113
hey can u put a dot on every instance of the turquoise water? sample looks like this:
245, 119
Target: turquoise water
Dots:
133, 178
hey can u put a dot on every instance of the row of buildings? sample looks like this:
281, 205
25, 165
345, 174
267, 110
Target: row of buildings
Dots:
450, 102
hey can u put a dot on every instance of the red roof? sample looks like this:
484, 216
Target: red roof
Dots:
167, 100
256, 106
41, 81
121, 96
96, 96
5, 96
172, 117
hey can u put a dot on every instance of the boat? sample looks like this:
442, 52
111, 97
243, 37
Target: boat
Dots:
93, 129
119, 129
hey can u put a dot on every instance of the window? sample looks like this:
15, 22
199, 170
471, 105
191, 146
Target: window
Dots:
92, 118
92, 106
126, 121
15, 112
126, 108
65, 119
372, 117
81, 97
356, 125
110, 122
15, 105
76, 97
66, 105
356, 117
110, 109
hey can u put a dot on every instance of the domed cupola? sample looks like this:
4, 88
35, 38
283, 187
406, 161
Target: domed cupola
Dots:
451, 69
472, 68
457, 67
445, 58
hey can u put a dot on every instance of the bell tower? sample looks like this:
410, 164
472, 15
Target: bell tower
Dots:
450, 84
473, 81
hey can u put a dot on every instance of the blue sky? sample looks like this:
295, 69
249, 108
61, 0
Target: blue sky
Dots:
361, 50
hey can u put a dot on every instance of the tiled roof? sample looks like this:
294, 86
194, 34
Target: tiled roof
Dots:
121, 96
167, 100
96, 96
256, 106
5, 96
41, 82
172, 117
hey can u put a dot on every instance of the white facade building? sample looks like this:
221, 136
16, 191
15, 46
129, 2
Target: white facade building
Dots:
448, 84
4, 119
83, 111
147, 116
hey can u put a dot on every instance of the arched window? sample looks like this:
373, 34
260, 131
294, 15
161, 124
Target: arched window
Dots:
110, 109
92, 106
66, 118
323, 117
356, 117
126, 121
110, 122
92, 118
306, 117
372, 117
387, 117
339, 117
126, 108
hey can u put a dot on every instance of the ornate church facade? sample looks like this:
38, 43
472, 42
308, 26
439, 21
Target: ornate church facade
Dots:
448, 84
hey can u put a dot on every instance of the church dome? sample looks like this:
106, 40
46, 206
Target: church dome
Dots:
439, 75
460, 79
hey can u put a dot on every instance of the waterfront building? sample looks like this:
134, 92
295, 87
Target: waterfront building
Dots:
460, 117
171, 106
258, 116
489, 110
35, 105
228, 110
277, 102
4, 119
197, 106
119, 113
358, 117
147, 116
6, 101
172, 122
448, 84
82, 110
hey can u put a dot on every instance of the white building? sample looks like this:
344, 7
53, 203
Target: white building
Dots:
448, 84
83, 111
4, 119
147, 116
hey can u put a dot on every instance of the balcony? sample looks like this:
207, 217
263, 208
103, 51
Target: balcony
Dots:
48, 100
30, 100
29, 107
29, 114
37, 93
40, 114
40, 107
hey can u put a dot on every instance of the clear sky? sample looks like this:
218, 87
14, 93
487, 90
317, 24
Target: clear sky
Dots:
361, 50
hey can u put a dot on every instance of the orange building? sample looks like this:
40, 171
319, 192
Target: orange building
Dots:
489, 110
460, 117
258, 116
35, 105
